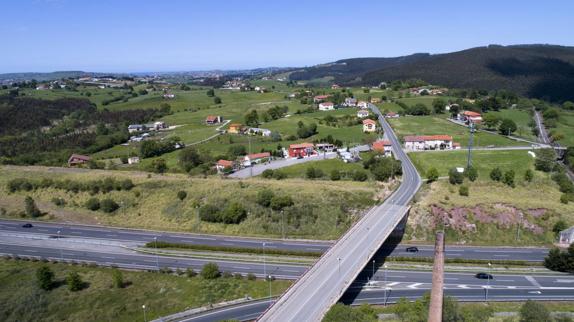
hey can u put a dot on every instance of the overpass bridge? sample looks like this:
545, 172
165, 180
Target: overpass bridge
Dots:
325, 282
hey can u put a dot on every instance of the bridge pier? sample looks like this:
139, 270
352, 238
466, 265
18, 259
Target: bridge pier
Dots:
435, 308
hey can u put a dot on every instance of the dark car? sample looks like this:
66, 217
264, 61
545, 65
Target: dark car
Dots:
27, 225
484, 276
412, 249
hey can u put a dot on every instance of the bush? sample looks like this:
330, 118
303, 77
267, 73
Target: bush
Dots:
335, 175
238, 276
209, 213
528, 175
31, 208
564, 199
234, 213
117, 278
45, 278
251, 277
189, 272
93, 204
360, 175
264, 197
455, 177
432, 175
508, 178
227, 274
210, 271
279, 175
181, 195
471, 174
108, 205
313, 173
74, 281
532, 311
496, 174
559, 226
60, 202
280, 202
463, 191
127, 185
267, 174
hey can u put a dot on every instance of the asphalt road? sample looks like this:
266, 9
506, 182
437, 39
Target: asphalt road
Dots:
144, 236
542, 134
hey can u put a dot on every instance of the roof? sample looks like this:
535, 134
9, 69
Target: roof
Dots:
380, 145
363, 112
391, 113
225, 163
211, 118
134, 126
259, 155
327, 103
568, 231
415, 138
235, 125
80, 157
301, 145
322, 97
471, 114
369, 121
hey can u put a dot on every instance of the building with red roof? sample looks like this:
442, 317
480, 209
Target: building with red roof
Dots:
470, 117
320, 98
428, 142
301, 150
223, 165
249, 159
384, 147
78, 159
369, 125
213, 119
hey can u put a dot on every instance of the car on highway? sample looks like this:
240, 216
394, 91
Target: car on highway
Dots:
484, 276
28, 225
412, 249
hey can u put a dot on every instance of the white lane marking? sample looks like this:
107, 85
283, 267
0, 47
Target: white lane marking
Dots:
564, 281
239, 267
393, 283
533, 281
108, 257
511, 287
457, 254
451, 278
505, 280
462, 286
415, 285
501, 255
396, 276
535, 292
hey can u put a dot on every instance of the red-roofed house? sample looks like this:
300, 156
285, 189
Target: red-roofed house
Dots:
320, 98
224, 166
78, 159
391, 115
428, 142
249, 159
326, 106
383, 147
470, 116
369, 125
301, 150
235, 128
213, 119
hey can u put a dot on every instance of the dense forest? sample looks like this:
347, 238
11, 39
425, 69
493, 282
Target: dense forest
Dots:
537, 71
37, 131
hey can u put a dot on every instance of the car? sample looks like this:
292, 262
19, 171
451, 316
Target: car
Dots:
484, 276
28, 225
412, 249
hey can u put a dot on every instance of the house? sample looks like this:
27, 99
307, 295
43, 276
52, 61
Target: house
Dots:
335, 86
259, 131
369, 126
223, 166
448, 107
159, 125
428, 142
320, 98
469, 117
362, 104
213, 119
301, 150
168, 95
348, 157
325, 147
362, 113
250, 159
235, 128
350, 101
383, 147
78, 159
392, 115
567, 236
132, 128
133, 160
326, 106
375, 100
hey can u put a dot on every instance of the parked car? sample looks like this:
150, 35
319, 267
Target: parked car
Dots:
412, 249
484, 276
28, 225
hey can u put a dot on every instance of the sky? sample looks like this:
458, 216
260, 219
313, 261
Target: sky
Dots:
180, 35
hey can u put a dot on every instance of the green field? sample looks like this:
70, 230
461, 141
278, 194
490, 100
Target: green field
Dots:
162, 294
522, 119
565, 126
483, 161
436, 125
327, 166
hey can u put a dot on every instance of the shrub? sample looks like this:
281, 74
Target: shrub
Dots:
463, 191
564, 199
532, 311
267, 174
209, 213
528, 175
108, 205
313, 173
559, 226
279, 175
117, 278
127, 184
181, 195
93, 204
455, 177
251, 277
471, 174
45, 278
432, 175
189, 272
234, 213
280, 202
210, 271
58, 201
31, 208
335, 175
227, 274
360, 175
264, 197
74, 281
496, 174
238, 276
508, 178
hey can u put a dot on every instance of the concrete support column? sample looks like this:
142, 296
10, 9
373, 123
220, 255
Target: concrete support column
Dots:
435, 308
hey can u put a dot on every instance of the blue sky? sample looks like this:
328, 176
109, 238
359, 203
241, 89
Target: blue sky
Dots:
175, 35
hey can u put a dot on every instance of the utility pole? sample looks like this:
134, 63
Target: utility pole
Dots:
156, 256
435, 308
470, 141
61, 251
250, 165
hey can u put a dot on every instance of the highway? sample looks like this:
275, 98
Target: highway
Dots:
324, 283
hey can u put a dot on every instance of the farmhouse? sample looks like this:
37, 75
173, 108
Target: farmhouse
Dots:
428, 142
470, 117
567, 236
223, 165
133, 160
369, 125
320, 98
335, 86
362, 113
325, 147
350, 101
383, 147
259, 131
327, 106
132, 128
159, 125
168, 95
301, 150
250, 159
213, 119
362, 104
375, 100
392, 115
235, 128
78, 159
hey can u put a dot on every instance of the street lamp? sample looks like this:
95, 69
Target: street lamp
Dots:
373, 275
488, 281
264, 263
61, 251
339, 262
385, 275
145, 318
156, 256
283, 224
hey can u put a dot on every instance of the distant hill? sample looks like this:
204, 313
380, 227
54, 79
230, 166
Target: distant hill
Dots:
540, 71
18, 77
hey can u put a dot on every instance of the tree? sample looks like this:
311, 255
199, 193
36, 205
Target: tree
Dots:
74, 281
528, 175
234, 213
181, 195
164, 108
237, 150
532, 311
210, 92
507, 127
335, 175
45, 278
345, 313
463, 191
93, 204
559, 226
189, 158
471, 173
496, 174
438, 105
158, 166
313, 173
108, 205
432, 175
267, 173
217, 100
210, 271
455, 177
117, 278
280, 202
568, 105
264, 197
545, 160
491, 121
360, 175
508, 178
31, 208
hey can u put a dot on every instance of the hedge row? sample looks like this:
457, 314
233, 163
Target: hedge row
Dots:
94, 186
231, 249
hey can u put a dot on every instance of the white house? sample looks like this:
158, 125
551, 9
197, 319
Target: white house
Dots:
250, 159
326, 106
259, 131
133, 160
159, 125
362, 113
369, 126
168, 96
470, 117
428, 142
350, 101
384, 147
136, 128
362, 104
567, 236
